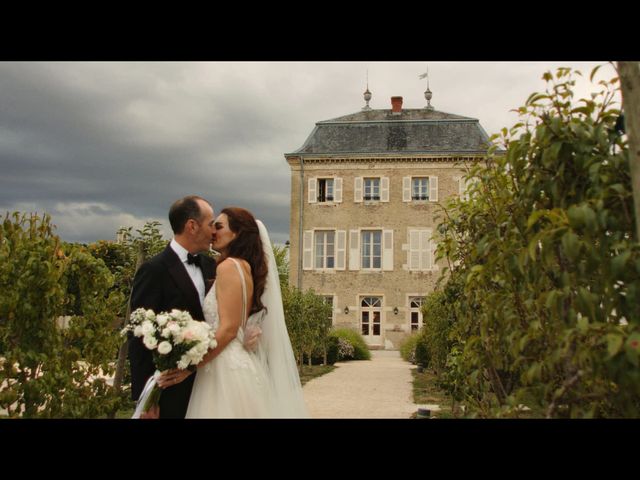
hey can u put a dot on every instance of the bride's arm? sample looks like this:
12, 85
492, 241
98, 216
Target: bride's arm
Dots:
229, 296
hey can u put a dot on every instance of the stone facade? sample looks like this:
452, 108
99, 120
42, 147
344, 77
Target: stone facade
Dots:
340, 232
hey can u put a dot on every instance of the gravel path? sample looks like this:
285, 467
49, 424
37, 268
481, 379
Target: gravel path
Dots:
379, 388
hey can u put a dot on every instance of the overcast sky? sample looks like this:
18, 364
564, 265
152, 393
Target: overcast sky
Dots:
100, 145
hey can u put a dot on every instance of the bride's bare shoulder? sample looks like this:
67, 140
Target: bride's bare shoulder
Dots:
228, 265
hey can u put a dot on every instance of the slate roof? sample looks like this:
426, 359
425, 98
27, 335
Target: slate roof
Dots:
382, 132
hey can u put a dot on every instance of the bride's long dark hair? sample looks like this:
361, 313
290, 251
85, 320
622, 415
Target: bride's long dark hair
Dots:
248, 246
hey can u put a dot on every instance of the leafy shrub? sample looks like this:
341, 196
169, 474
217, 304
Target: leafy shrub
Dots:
422, 351
49, 371
544, 250
408, 348
349, 345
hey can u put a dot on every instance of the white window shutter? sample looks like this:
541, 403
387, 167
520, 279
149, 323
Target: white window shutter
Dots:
337, 190
465, 187
384, 189
414, 250
432, 253
354, 249
313, 190
433, 189
425, 253
307, 250
387, 250
341, 249
459, 180
406, 189
357, 189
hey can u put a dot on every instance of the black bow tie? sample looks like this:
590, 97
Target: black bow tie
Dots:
194, 259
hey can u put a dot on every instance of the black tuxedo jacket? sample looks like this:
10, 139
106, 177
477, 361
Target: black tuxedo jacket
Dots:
162, 284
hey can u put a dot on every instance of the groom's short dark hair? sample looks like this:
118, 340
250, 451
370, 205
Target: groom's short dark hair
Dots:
183, 210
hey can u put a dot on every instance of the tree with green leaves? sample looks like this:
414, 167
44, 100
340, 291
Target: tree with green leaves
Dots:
308, 320
544, 258
123, 259
50, 370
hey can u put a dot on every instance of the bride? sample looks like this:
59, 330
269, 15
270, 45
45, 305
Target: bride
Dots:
232, 381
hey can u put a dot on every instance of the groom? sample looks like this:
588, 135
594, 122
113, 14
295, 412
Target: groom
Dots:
176, 278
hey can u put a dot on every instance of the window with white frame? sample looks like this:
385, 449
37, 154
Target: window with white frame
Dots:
325, 249
415, 309
325, 190
371, 251
372, 189
370, 313
420, 188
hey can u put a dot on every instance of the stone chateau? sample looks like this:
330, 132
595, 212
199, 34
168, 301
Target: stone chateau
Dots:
364, 191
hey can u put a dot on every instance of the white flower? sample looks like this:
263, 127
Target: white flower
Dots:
164, 348
162, 319
213, 343
149, 314
137, 331
150, 342
148, 328
166, 333
184, 362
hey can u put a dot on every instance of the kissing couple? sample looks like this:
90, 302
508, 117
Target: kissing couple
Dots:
252, 372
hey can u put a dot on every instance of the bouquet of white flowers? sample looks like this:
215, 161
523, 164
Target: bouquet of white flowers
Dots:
176, 341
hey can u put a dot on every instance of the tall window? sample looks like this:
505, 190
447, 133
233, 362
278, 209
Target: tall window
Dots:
371, 252
420, 190
371, 309
372, 189
325, 190
415, 305
325, 249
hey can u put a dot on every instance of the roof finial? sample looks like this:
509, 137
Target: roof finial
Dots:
367, 95
427, 94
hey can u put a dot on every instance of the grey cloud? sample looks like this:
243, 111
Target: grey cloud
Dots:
101, 143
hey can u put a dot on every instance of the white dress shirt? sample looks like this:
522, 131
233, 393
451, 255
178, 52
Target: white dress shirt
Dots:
194, 272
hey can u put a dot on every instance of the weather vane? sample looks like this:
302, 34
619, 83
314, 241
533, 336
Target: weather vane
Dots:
427, 94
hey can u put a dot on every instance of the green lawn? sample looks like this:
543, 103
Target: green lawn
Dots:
425, 391
313, 371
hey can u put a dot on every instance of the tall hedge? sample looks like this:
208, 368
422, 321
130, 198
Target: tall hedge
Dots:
47, 369
545, 254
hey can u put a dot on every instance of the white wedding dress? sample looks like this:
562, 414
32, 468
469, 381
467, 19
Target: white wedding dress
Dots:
242, 384
235, 383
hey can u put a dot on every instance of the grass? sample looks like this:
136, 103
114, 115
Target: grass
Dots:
313, 371
426, 391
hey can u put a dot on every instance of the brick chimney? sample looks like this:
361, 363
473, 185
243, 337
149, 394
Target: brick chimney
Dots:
396, 105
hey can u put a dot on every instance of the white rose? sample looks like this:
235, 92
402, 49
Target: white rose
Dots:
137, 331
164, 348
150, 342
148, 328
166, 333
149, 314
162, 320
